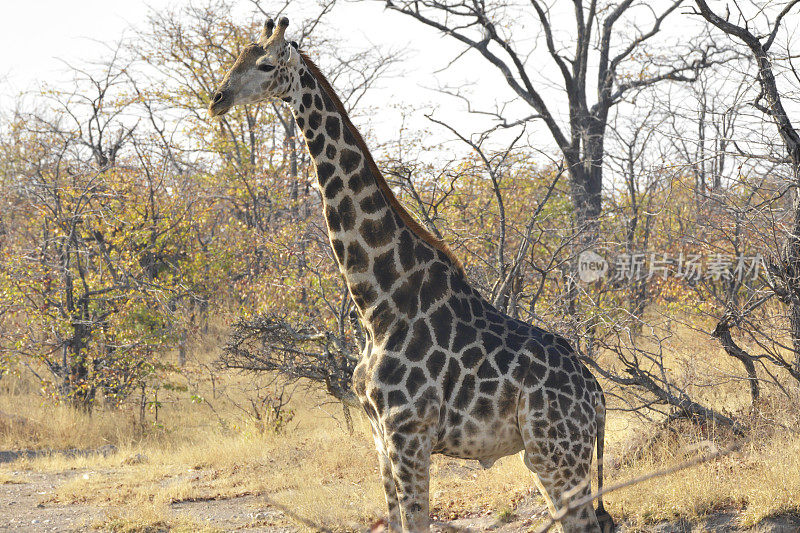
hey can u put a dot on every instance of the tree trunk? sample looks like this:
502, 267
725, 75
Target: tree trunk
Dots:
793, 268
723, 333
75, 386
348, 418
586, 190
182, 348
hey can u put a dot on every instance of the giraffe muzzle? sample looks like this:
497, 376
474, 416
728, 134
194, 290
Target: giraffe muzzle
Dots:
220, 104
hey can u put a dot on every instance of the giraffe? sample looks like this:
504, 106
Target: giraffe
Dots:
442, 370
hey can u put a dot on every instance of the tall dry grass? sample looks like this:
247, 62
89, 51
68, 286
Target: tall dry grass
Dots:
758, 480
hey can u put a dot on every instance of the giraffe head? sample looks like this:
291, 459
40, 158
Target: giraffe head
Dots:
265, 69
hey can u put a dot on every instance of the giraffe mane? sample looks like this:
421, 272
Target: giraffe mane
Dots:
410, 221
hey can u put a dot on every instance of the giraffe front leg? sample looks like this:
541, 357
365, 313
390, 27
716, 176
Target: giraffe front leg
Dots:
389, 487
410, 457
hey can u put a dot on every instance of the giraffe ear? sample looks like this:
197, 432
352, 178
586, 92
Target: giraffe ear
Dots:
295, 45
294, 55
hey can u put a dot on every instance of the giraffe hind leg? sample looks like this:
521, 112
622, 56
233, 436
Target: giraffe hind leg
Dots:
603, 517
559, 453
537, 480
559, 491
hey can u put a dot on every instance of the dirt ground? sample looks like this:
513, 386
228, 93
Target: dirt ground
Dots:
26, 504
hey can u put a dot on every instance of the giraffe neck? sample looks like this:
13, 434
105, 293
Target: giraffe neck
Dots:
381, 251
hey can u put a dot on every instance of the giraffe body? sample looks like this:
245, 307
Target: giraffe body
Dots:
442, 371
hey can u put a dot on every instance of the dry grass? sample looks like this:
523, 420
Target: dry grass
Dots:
463, 488
207, 450
317, 470
760, 479
46, 426
320, 472
148, 519
12, 478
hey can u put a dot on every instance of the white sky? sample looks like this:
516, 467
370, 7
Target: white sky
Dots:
38, 36
35, 34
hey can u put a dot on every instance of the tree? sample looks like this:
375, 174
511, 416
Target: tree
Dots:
786, 267
89, 257
624, 64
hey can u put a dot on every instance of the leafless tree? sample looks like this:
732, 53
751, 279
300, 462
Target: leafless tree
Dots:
603, 60
758, 30
299, 351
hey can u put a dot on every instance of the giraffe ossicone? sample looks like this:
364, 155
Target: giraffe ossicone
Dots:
442, 371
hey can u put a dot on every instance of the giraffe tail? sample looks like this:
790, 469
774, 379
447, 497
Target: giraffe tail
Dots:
603, 517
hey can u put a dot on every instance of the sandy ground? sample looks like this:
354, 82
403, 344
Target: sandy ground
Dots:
25, 506
21, 507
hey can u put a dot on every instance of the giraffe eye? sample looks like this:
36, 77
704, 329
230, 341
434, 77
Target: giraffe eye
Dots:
264, 67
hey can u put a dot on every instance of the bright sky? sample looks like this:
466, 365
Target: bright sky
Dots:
38, 36
35, 34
